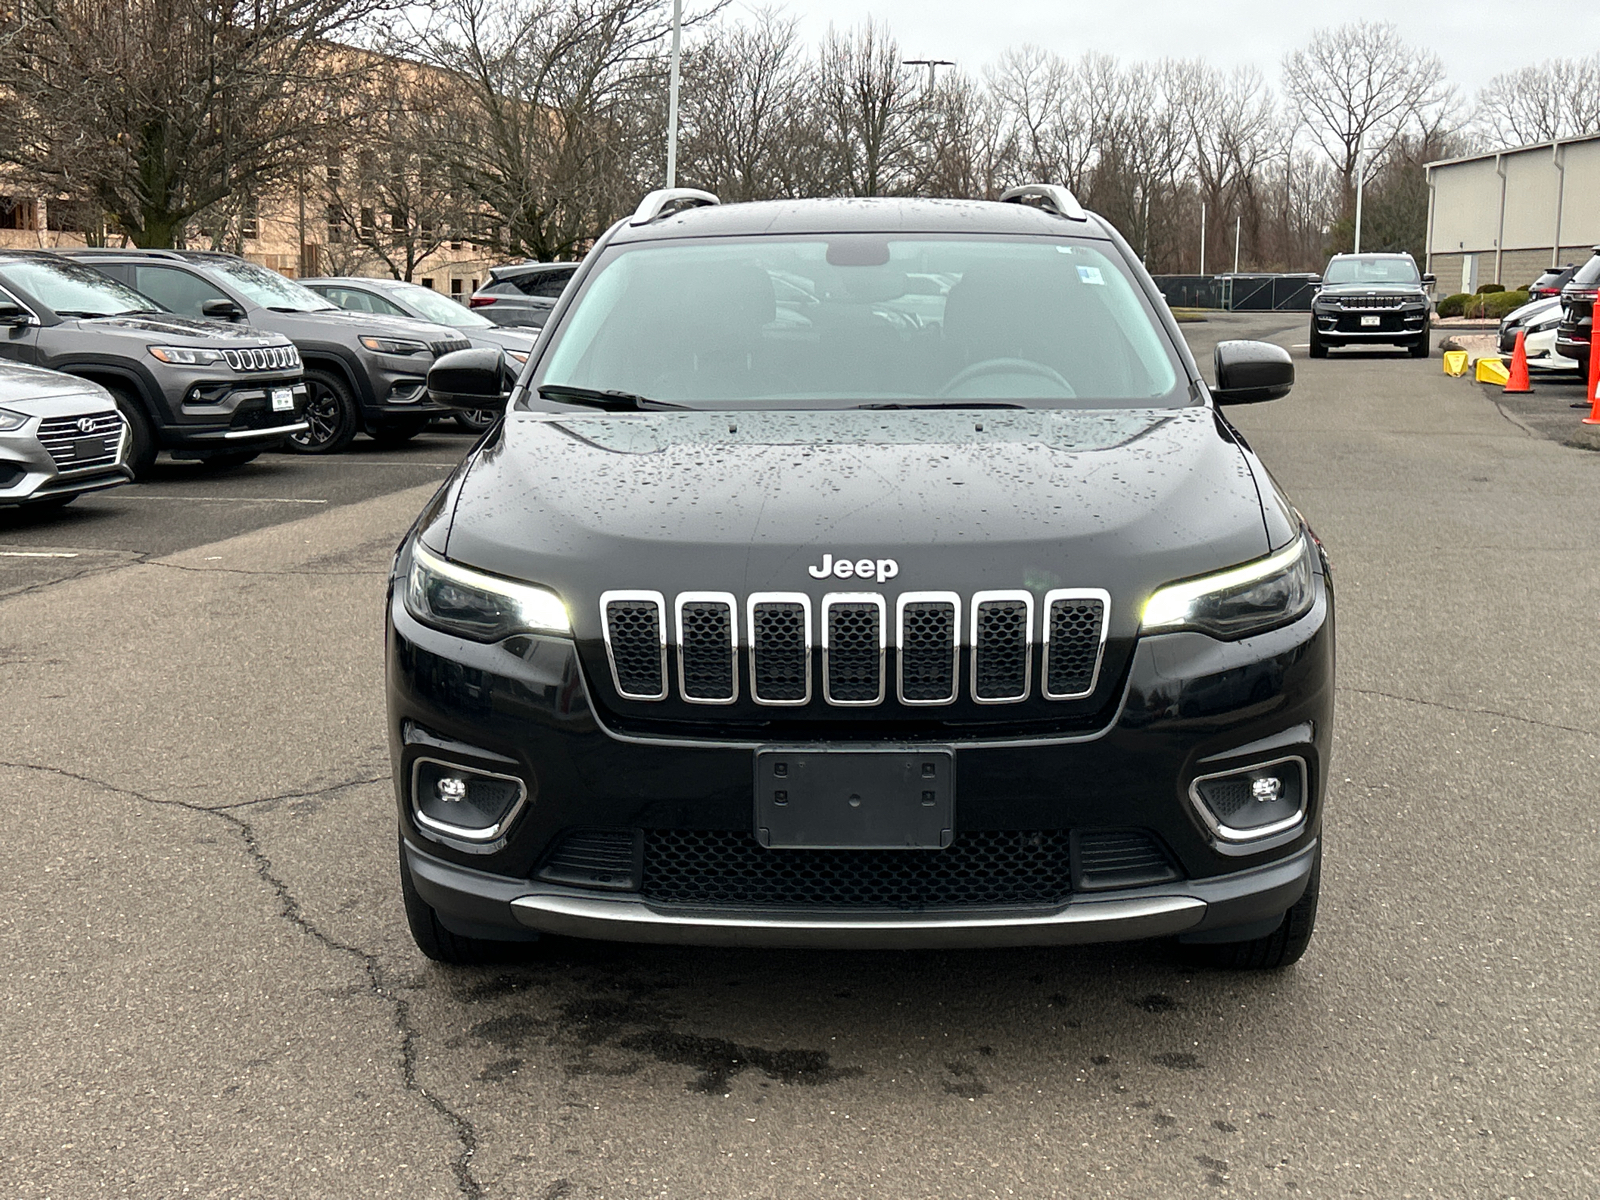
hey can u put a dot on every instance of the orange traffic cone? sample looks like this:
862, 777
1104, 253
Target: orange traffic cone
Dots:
1518, 384
1594, 386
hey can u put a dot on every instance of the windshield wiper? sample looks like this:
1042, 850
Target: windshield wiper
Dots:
611, 401
83, 312
948, 404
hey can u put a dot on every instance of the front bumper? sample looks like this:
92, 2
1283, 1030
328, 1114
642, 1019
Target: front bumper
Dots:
29, 474
1394, 325
1187, 707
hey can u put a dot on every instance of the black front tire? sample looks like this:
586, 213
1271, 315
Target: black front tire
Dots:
1283, 946
331, 416
142, 446
1319, 348
1423, 346
433, 939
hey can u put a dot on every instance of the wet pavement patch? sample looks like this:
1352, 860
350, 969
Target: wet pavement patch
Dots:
1178, 1061
718, 1060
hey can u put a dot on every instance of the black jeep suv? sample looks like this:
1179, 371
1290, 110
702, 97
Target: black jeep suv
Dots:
928, 599
1369, 299
197, 388
363, 371
1576, 331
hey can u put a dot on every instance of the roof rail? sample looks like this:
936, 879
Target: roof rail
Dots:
658, 203
1052, 197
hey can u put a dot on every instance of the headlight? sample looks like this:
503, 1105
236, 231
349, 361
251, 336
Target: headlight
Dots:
383, 345
517, 356
1243, 600
483, 607
186, 356
12, 420
1545, 326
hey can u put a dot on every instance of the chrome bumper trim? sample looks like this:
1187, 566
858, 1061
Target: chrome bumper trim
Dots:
1077, 922
275, 431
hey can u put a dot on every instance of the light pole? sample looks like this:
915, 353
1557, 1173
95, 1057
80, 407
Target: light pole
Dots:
933, 65
1202, 237
672, 95
1361, 171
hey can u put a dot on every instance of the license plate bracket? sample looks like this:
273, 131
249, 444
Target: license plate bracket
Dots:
1371, 322
855, 799
282, 399
92, 447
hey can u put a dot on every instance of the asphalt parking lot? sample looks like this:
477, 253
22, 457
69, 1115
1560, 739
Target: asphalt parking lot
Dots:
207, 988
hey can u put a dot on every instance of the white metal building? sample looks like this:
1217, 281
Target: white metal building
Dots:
1504, 217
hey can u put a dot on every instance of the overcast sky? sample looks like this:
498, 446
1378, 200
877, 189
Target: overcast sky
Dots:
1475, 38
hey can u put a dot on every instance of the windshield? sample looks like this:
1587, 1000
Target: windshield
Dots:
72, 290
1371, 270
268, 288
861, 318
1587, 274
431, 306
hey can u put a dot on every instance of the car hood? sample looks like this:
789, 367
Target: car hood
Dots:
964, 501
1537, 310
171, 329
506, 339
39, 392
1371, 289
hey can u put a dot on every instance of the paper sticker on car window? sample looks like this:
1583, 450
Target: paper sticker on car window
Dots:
1091, 275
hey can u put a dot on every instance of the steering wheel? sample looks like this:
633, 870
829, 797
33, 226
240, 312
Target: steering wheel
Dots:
1007, 366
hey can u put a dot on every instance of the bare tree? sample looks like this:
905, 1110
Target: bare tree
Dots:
965, 148
1555, 99
1050, 112
870, 106
749, 121
159, 109
1357, 88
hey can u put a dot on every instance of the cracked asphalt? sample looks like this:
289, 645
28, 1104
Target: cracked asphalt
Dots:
206, 987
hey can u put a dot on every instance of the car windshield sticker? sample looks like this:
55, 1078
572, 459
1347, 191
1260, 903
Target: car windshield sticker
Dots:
1091, 275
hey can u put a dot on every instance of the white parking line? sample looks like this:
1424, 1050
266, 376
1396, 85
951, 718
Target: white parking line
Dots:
224, 499
35, 554
1300, 346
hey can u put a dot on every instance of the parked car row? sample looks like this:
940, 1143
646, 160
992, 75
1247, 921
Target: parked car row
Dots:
206, 356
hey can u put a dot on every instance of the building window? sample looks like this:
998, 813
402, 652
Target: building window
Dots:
250, 219
455, 288
427, 282
335, 171
335, 225
369, 222
16, 213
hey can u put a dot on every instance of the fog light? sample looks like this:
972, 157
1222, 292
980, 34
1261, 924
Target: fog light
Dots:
463, 802
1256, 802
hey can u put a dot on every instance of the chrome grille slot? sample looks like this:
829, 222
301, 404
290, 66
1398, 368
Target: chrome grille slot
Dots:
1356, 303
1002, 646
928, 636
780, 648
636, 643
1074, 641
60, 436
449, 345
707, 637
852, 648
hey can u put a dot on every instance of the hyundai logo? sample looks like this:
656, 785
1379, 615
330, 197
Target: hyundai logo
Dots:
86, 424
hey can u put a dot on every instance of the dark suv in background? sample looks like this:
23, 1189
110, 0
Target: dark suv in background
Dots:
524, 293
1551, 282
1577, 313
364, 372
1370, 299
201, 389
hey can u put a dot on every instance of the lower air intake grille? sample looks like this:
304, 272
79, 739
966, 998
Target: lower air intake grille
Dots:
1121, 858
1072, 655
602, 858
636, 645
705, 648
928, 651
1000, 649
978, 870
780, 660
854, 652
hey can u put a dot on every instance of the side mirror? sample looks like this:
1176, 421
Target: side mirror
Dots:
1250, 372
1429, 280
469, 379
221, 310
12, 313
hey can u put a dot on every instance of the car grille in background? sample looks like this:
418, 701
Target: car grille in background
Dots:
1002, 624
706, 649
1121, 858
448, 345
852, 650
928, 648
1370, 302
263, 358
855, 633
636, 641
1073, 633
780, 650
62, 438
977, 870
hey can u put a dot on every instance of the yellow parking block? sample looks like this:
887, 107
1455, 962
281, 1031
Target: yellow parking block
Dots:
1455, 363
1493, 370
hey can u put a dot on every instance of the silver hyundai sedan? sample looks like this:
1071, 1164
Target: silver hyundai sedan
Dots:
60, 436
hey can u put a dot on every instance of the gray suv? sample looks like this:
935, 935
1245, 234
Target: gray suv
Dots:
200, 389
364, 372
523, 294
